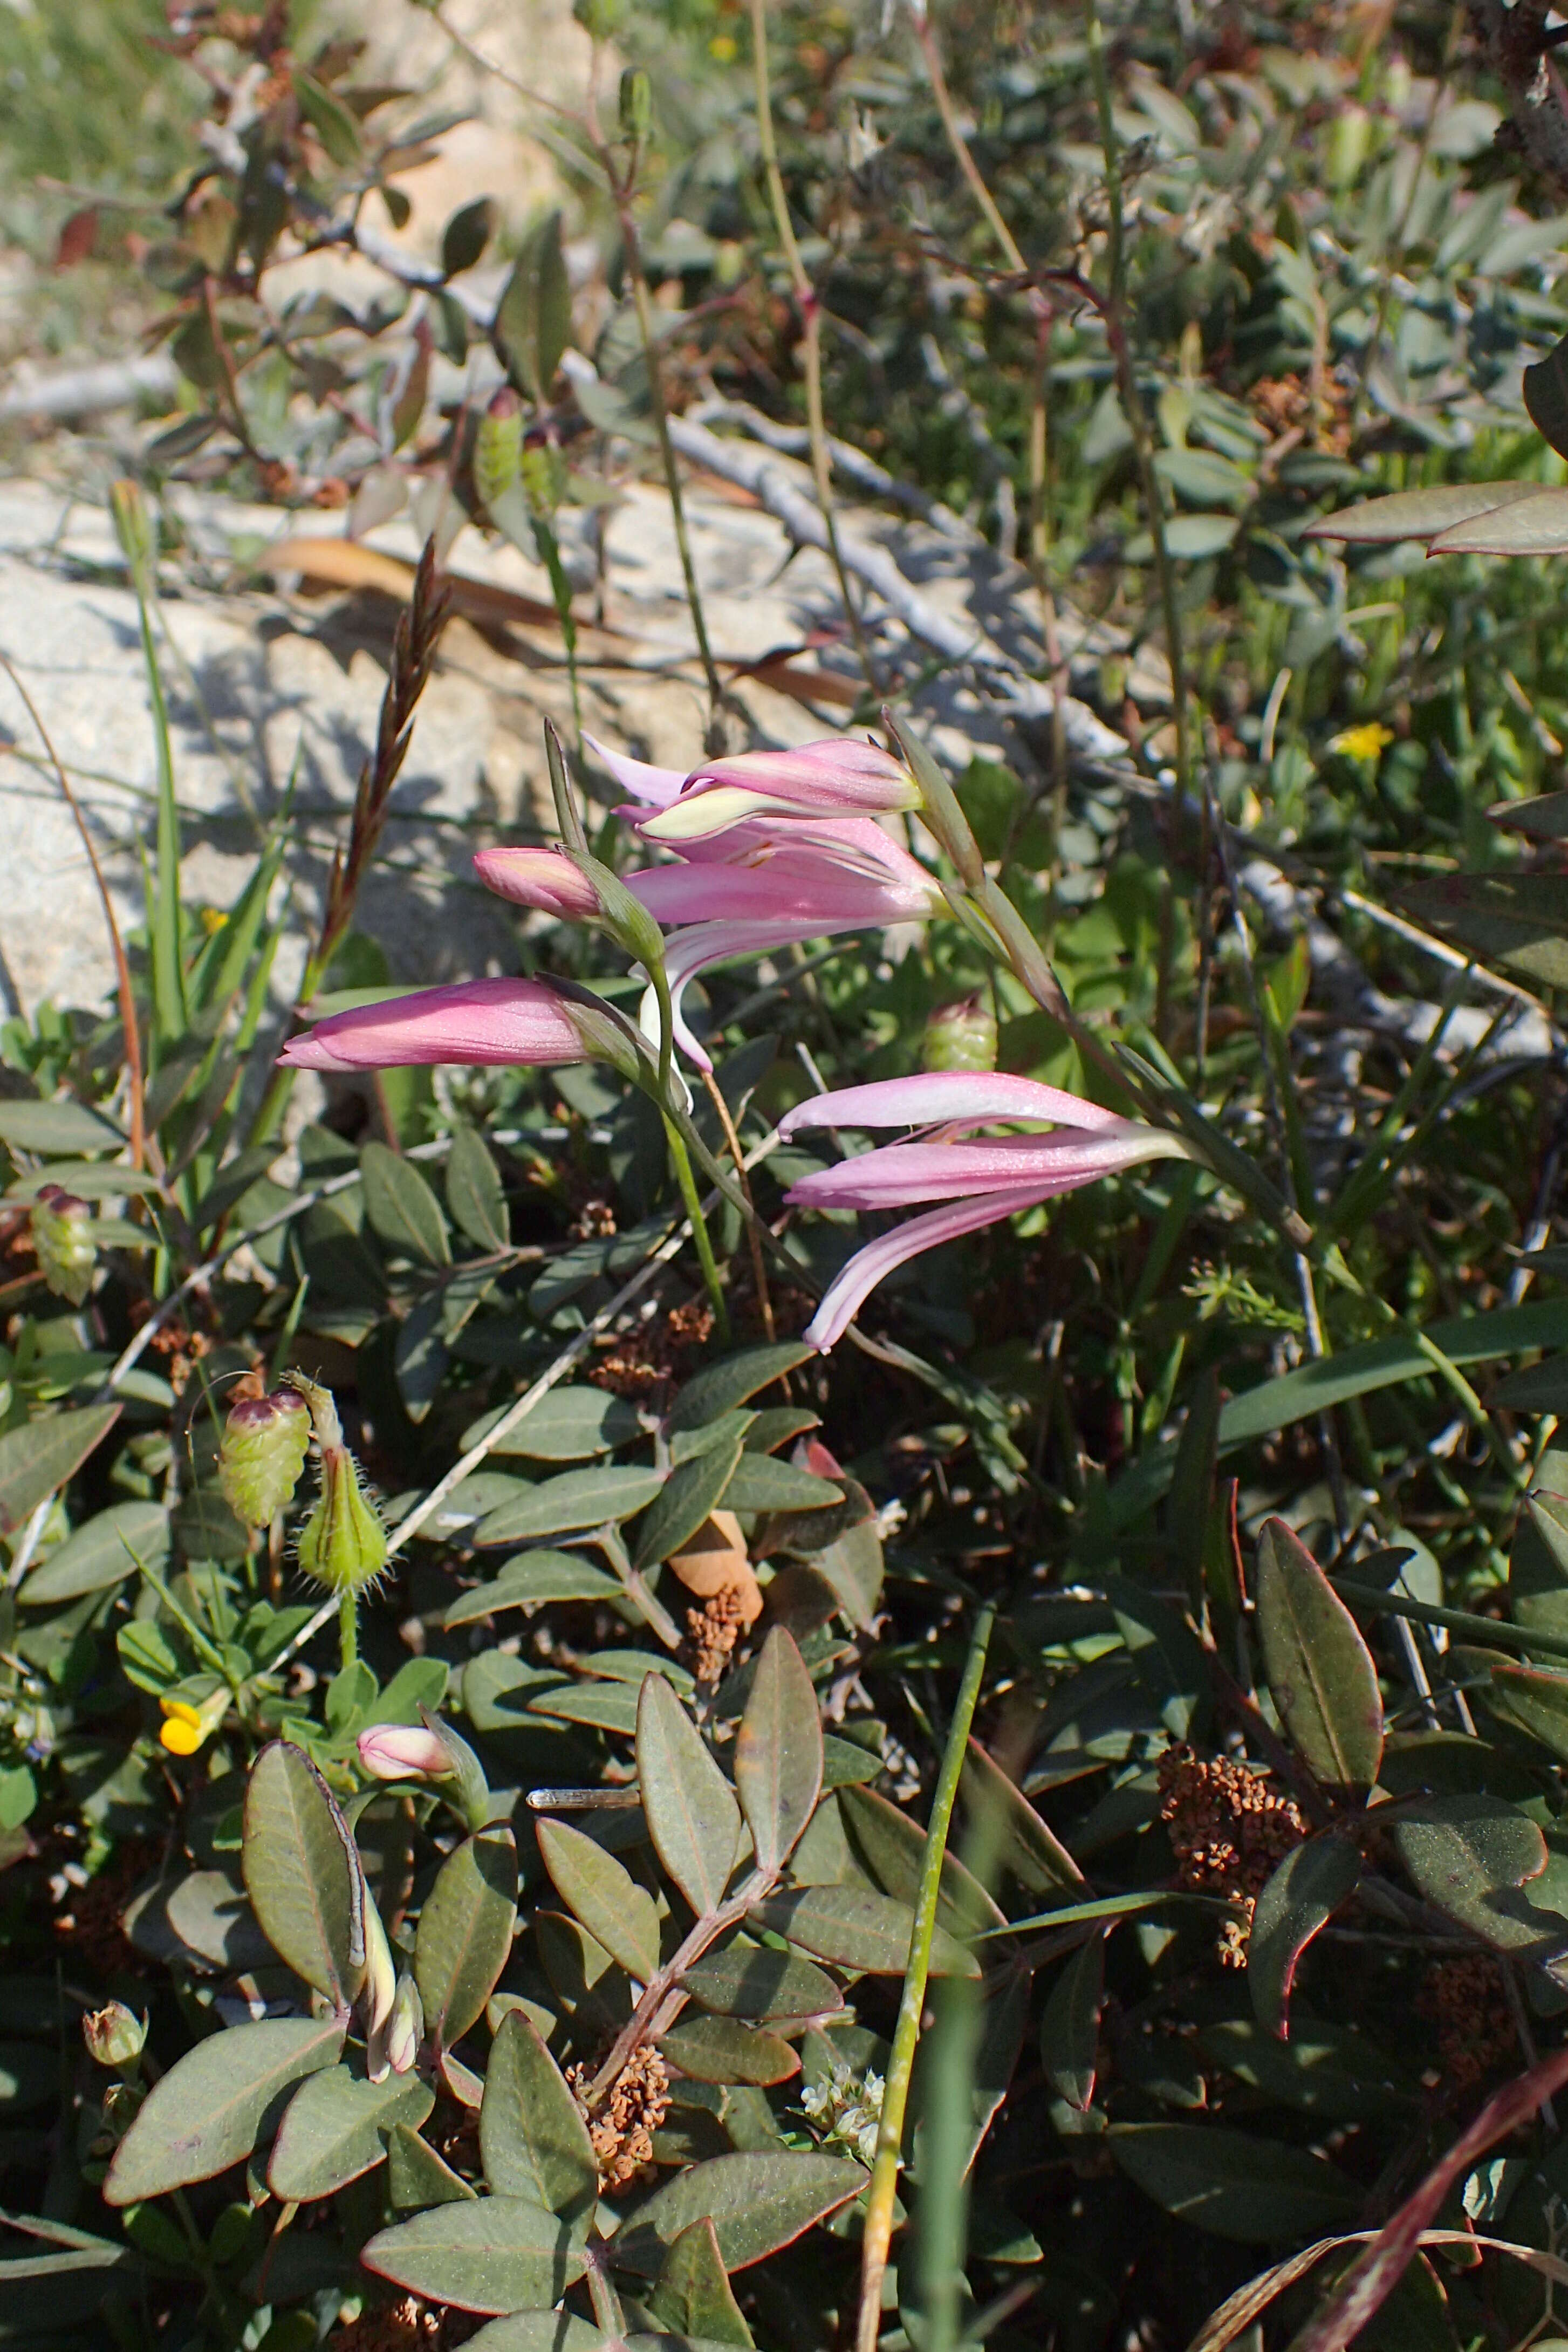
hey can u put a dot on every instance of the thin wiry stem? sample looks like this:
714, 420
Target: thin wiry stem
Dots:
881, 2195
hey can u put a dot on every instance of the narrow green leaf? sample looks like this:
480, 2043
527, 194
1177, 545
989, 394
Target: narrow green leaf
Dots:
692, 2294
1319, 1671
1418, 514
533, 319
336, 2128
778, 1751
214, 2105
41, 1455
497, 2254
466, 1934
474, 1194
401, 1206
1070, 2028
693, 1818
417, 2177
853, 1928
330, 119
720, 1387
756, 2203
1028, 1846
892, 1846
684, 1503
604, 1895
1303, 1893
532, 2138
530, 1578
722, 2049
301, 1874
99, 1554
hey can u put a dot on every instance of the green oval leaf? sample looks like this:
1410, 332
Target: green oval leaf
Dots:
1234, 2185
722, 2049
567, 1424
1473, 1856
497, 2254
532, 2138
892, 1846
41, 1455
1303, 1893
99, 1554
693, 1818
753, 1980
1070, 2028
684, 1502
1320, 1670
56, 1129
558, 1506
603, 1896
466, 1934
692, 2291
720, 1387
216, 2103
1535, 526
417, 2177
301, 1874
532, 1578
756, 2203
760, 1482
401, 1209
1534, 1700
1418, 514
854, 1928
336, 2128
779, 1752
474, 1194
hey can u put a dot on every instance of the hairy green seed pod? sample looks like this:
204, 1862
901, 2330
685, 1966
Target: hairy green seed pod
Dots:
343, 1544
114, 2035
498, 447
636, 104
261, 1453
961, 1036
62, 1235
544, 478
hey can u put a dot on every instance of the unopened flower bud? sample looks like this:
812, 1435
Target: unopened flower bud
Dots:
498, 447
405, 2027
62, 1236
191, 1716
961, 1036
343, 1544
261, 1453
114, 2035
378, 1992
393, 1751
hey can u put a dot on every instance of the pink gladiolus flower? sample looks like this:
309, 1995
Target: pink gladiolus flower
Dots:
980, 1181
504, 1020
838, 777
545, 879
395, 1751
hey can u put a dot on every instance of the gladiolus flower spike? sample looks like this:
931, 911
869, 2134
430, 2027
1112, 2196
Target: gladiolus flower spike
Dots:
978, 1180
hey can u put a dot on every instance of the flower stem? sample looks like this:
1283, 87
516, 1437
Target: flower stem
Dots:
348, 1627
883, 2187
681, 1160
759, 1262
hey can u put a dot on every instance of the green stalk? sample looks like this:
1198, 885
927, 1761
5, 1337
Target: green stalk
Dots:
681, 1158
882, 2194
347, 1627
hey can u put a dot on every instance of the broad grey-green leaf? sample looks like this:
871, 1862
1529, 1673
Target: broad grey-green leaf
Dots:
578, 1498
543, 2331
1537, 525
533, 1577
693, 1818
603, 1896
692, 2293
720, 1387
853, 1928
760, 1482
1545, 387
99, 1554
43, 1454
475, 1196
56, 1129
417, 2177
893, 1847
1303, 1893
336, 2128
567, 1424
497, 2254
755, 1981
465, 1933
532, 2136
607, 1705
1319, 1671
401, 1206
1418, 514
211, 2108
533, 319
301, 1874
1519, 920
684, 1503
1534, 1699
1237, 2186
1332, 2071
778, 1751
1027, 1846
756, 2203
1472, 1857
723, 2049
1070, 2028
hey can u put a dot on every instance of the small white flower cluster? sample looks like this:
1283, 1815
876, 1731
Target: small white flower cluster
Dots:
846, 2110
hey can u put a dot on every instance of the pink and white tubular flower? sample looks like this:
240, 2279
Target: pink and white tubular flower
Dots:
474, 1020
395, 1751
837, 777
979, 1179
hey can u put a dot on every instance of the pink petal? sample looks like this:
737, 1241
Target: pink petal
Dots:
803, 887
873, 1264
896, 1175
657, 785
932, 1097
545, 879
521, 1020
701, 946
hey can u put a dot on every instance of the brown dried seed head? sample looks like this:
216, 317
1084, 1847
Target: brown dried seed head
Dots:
622, 2130
1229, 1830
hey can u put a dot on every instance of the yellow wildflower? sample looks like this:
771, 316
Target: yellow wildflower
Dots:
1362, 742
189, 1723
